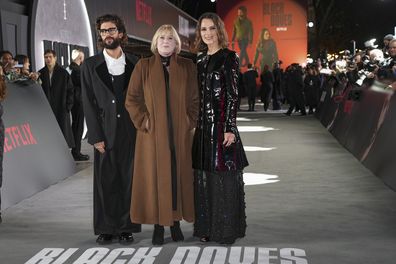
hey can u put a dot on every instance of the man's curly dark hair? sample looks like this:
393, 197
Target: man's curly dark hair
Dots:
119, 24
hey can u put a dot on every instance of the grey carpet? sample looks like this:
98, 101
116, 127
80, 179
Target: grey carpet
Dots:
325, 203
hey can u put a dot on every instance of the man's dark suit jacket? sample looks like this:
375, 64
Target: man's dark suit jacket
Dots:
99, 100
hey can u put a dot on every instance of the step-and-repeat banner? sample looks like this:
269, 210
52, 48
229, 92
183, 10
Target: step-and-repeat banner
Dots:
35, 152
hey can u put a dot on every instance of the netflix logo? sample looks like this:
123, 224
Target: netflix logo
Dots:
18, 136
143, 12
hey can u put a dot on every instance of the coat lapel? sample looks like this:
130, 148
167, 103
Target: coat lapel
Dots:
55, 74
103, 72
46, 80
176, 80
157, 79
128, 70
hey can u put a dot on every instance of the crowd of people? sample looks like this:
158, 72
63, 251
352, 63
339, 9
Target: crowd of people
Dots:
61, 87
150, 122
368, 65
166, 143
301, 87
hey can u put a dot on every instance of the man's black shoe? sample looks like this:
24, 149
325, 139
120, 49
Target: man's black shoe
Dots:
125, 238
80, 157
104, 239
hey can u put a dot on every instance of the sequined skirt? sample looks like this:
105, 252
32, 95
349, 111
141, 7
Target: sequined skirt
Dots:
219, 205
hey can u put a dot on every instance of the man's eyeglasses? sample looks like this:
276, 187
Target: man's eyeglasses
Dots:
111, 31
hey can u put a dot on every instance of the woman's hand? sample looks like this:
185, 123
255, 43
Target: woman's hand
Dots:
229, 138
147, 126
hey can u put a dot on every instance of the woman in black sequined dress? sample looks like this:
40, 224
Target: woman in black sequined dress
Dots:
218, 154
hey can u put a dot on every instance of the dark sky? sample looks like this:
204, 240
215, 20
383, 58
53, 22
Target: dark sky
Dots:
196, 8
360, 20
370, 18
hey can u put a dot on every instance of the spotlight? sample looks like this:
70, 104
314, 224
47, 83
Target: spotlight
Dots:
310, 24
212, 1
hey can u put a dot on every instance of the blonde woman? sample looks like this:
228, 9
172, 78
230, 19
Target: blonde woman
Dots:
162, 101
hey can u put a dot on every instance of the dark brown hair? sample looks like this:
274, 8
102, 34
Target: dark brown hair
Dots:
21, 58
50, 51
221, 32
243, 9
113, 19
2, 53
262, 31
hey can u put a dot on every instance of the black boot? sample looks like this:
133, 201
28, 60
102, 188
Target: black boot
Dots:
176, 232
158, 235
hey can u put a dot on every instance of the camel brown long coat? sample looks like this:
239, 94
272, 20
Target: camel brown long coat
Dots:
146, 100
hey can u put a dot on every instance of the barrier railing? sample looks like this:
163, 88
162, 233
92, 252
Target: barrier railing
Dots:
35, 152
363, 120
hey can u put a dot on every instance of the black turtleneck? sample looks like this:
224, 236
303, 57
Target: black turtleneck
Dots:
165, 60
165, 64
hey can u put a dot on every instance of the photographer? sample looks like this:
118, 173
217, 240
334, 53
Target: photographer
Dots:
387, 70
6, 61
2, 96
387, 40
23, 68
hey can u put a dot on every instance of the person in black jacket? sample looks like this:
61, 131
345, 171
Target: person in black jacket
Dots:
311, 88
249, 79
58, 88
295, 89
77, 110
267, 86
277, 94
104, 81
2, 96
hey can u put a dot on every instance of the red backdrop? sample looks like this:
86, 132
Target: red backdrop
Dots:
285, 19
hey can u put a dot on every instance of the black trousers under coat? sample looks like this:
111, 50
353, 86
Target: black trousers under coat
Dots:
77, 125
113, 186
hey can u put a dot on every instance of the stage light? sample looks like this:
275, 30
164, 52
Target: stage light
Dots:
212, 1
310, 24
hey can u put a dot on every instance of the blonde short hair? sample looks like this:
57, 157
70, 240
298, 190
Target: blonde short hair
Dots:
75, 54
165, 28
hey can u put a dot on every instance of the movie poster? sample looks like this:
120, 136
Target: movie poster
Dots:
263, 32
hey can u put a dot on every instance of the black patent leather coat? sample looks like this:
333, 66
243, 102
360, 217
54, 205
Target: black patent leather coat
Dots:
218, 80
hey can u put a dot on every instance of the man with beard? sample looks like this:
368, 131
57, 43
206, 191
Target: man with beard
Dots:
243, 33
104, 82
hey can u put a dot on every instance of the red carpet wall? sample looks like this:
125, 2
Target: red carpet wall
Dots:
285, 19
